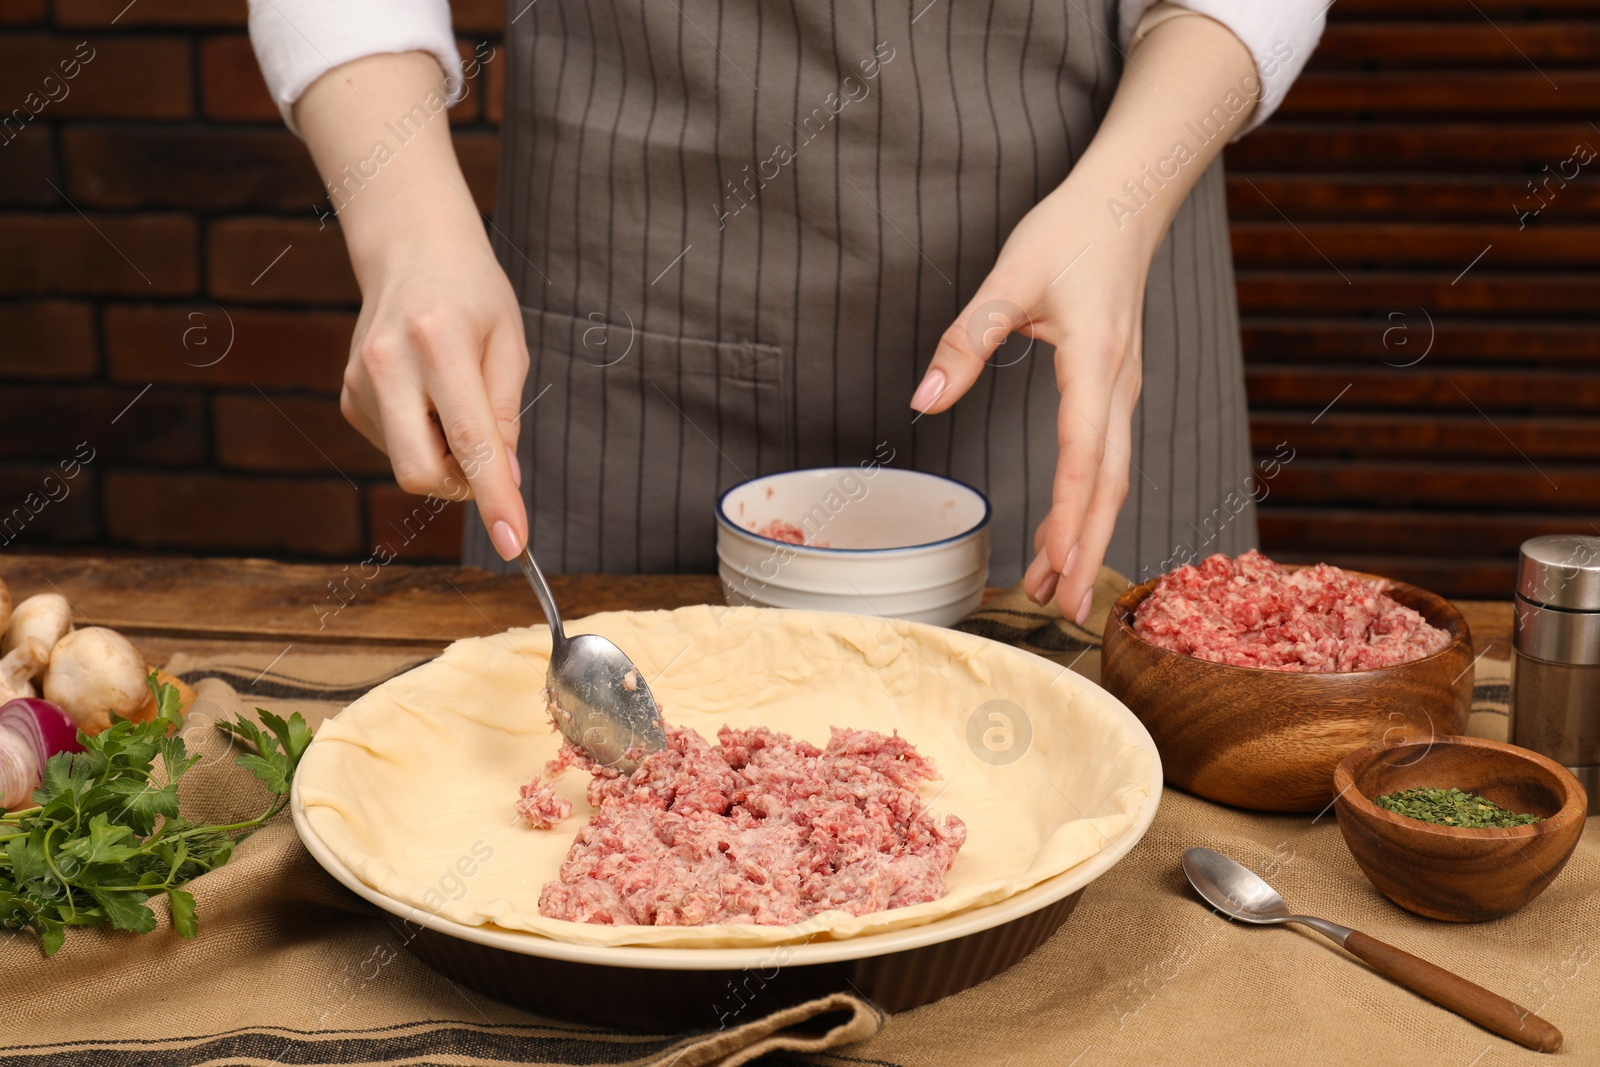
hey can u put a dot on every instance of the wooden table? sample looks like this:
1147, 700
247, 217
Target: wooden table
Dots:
168, 603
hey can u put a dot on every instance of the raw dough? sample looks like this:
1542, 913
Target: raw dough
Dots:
403, 783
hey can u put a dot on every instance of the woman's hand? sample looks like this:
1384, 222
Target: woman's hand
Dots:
435, 379
1073, 274
438, 358
1065, 277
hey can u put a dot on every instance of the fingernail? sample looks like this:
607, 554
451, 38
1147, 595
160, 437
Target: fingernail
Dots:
505, 540
931, 389
1048, 589
1072, 554
516, 468
1083, 609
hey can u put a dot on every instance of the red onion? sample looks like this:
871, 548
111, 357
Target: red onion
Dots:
31, 731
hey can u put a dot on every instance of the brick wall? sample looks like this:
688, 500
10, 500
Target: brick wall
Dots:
154, 215
158, 212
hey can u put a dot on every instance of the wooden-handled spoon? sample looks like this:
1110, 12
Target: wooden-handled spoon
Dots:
1236, 891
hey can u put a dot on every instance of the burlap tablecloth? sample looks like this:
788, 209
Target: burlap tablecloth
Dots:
290, 968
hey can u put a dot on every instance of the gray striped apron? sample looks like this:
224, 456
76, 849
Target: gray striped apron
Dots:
737, 231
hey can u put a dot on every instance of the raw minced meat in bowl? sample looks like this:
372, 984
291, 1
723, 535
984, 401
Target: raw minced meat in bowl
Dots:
1252, 612
1256, 679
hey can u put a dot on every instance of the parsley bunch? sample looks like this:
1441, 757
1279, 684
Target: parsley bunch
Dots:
105, 835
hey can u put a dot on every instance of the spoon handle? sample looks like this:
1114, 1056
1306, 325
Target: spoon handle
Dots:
547, 600
1489, 1010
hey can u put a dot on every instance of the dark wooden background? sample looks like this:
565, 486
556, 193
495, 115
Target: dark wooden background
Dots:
1396, 161
1431, 358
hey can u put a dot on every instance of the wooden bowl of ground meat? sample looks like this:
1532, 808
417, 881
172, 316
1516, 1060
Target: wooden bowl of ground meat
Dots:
1256, 679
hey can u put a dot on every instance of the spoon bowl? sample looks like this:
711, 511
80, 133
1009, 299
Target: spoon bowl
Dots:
601, 702
595, 695
1239, 893
1232, 888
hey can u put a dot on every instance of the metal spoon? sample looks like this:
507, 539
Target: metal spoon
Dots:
602, 703
1236, 891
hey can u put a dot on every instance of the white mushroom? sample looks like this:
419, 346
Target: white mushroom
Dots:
18, 667
93, 673
46, 617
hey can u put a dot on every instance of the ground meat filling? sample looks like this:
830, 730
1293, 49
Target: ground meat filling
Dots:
1250, 612
759, 828
778, 530
539, 806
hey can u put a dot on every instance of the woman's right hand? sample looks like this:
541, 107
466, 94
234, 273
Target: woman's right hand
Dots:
435, 380
438, 359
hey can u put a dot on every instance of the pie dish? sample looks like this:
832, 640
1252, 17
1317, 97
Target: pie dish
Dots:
423, 771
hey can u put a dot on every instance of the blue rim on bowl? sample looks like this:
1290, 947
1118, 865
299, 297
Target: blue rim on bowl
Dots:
724, 521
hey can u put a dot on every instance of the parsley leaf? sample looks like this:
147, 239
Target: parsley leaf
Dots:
183, 913
51, 934
143, 802
103, 845
126, 909
294, 735
26, 861
268, 770
169, 704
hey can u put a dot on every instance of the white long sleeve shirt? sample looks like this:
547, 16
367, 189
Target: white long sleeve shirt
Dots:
297, 41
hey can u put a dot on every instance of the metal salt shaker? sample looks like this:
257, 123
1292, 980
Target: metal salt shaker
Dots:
1555, 699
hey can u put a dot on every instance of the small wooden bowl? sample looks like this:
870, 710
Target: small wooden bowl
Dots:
1269, 740
1452, 872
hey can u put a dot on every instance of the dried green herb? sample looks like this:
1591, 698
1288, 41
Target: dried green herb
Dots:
1452, 807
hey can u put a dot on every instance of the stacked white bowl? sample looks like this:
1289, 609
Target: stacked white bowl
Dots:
875, 541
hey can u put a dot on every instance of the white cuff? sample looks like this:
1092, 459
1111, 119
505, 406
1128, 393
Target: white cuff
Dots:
1280, 34
298, 41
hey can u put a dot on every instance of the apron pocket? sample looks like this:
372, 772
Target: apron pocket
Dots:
635, 435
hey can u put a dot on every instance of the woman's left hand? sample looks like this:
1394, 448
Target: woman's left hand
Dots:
1073, 275
1069, 278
